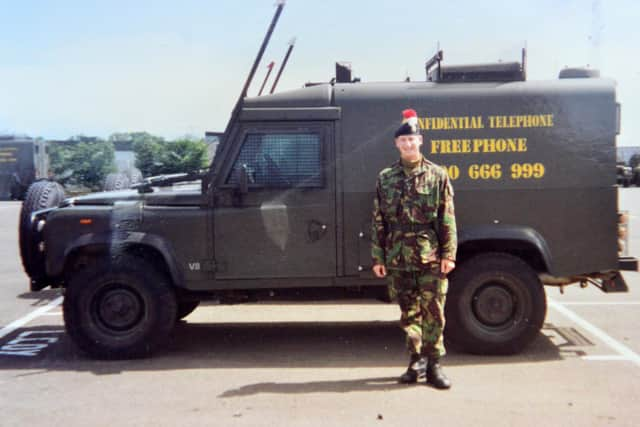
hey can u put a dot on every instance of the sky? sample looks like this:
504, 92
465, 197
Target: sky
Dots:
170, 68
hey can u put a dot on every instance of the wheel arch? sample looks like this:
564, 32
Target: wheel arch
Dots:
89, 249
520, 241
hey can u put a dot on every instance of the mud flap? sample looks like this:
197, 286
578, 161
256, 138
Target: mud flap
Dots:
616, 284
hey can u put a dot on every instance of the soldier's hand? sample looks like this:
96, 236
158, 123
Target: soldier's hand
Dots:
447, 266
379, 270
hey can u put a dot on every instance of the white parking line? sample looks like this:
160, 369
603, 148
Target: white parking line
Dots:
600, 303
605, 357
625, 352
29, 317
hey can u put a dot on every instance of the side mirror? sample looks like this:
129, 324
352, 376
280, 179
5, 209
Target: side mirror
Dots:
243, 180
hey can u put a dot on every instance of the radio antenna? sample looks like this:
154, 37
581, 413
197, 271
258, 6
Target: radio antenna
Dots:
292, 43
270, 67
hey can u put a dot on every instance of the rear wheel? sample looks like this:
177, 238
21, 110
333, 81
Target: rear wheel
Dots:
123, 308
40, 195
17, 190
496, 305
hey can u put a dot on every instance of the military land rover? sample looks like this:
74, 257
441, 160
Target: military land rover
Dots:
284, 210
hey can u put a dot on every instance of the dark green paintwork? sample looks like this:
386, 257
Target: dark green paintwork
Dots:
265, 238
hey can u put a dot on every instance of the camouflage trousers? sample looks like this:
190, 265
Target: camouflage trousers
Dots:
421, 296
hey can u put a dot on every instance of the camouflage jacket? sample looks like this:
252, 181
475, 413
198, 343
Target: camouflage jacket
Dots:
414, 222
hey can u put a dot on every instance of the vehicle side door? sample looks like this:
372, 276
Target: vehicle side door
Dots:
285, 225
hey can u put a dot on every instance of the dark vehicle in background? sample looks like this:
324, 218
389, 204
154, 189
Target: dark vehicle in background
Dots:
624, 174
23, 160
628, 165
284, 210
636, 176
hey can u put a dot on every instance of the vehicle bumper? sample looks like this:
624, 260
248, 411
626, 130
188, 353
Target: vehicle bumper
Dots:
628, 263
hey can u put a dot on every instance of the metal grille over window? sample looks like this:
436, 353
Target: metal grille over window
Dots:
280, 160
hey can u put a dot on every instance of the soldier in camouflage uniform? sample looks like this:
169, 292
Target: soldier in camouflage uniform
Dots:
414, 244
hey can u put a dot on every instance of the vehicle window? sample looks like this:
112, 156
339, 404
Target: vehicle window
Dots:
280, 160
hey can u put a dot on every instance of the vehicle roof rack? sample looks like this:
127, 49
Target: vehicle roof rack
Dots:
490, 72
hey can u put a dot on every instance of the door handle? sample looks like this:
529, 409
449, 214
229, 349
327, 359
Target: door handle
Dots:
315, 230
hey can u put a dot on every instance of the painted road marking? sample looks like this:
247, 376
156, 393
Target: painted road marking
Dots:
29, 343
606, 357
29, 317
600, 303
625, 352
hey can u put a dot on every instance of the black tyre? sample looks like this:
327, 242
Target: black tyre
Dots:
123, 308
40, 195
496, 305
116, 181
185, 308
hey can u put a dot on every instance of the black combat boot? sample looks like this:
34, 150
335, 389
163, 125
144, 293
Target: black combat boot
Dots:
435, 376
416, 369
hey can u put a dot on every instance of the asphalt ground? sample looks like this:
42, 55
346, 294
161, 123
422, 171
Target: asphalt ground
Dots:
330, 364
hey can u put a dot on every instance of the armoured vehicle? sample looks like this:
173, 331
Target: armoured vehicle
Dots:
22, 161
284, 210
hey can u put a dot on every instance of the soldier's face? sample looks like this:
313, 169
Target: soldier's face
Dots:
409, 146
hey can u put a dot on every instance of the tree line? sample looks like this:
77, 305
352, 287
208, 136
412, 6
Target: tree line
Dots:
87, 161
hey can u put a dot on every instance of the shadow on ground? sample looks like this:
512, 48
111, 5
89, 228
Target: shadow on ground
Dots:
267, 345
41, 298
339, 386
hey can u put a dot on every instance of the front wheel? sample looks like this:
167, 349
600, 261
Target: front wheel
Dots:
496, 305
124, 308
